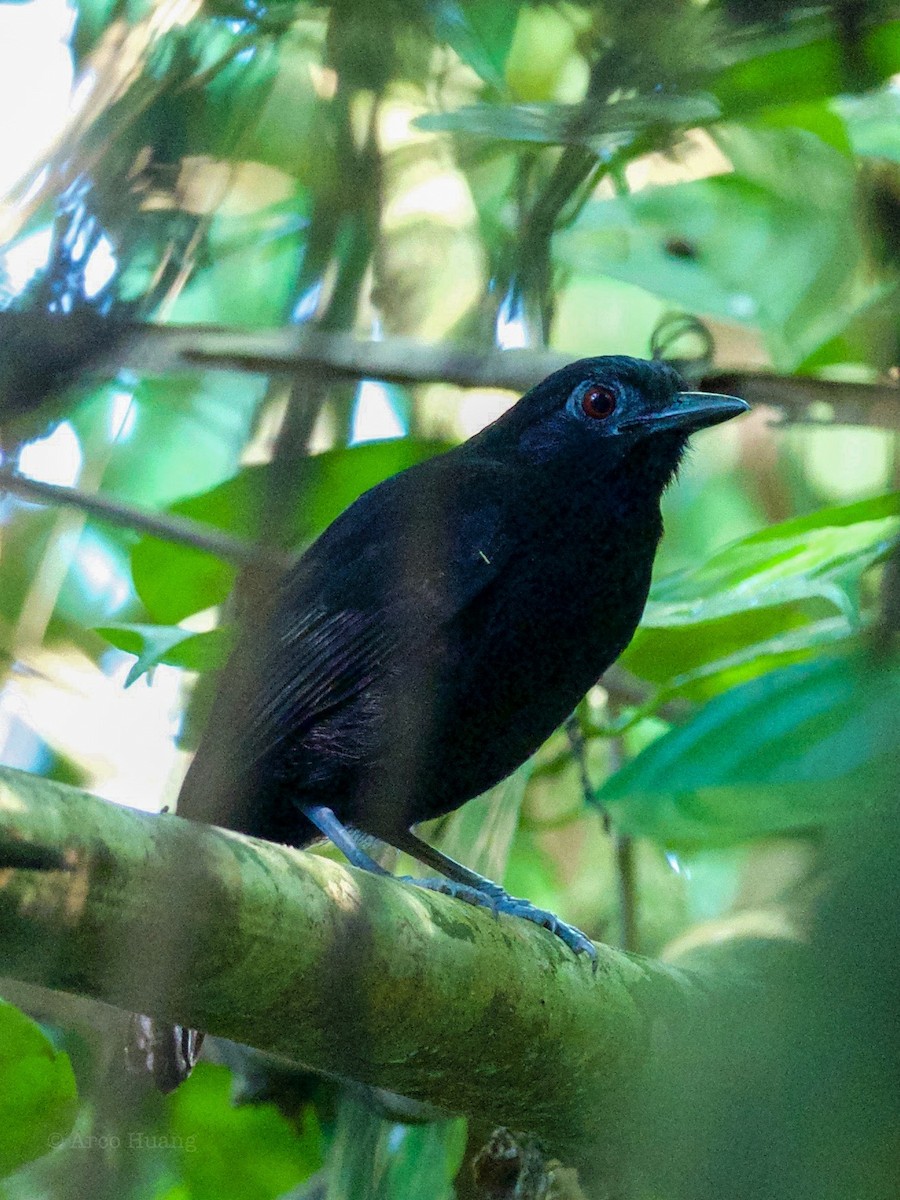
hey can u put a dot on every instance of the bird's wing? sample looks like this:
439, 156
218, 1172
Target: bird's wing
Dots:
379, 584
398, 565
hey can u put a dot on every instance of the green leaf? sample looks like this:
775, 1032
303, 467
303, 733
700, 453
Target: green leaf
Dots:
695, 662
794, 749
481, 33
873, 123
718, 818
794, 74
781, 157
772, 598
92, 18
251, 276
176, 581
175, 428
378, 1159
589, 124
819, 118
812, 69
874, 509
251, 1151
424, 1160
775, 244
819, 556
38, 1097
155, 644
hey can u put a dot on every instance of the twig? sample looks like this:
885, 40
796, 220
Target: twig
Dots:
167, 526
622, 844
629, 691
806, 400
624, 848
623, 851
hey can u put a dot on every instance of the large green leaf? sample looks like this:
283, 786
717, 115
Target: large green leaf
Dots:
251, 275
152, 437
176, 581
774, 71
794, 749
481, 33
774, 244
37, 1091
695, 662
175, 432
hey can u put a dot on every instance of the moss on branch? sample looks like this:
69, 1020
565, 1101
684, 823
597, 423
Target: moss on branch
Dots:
339, 970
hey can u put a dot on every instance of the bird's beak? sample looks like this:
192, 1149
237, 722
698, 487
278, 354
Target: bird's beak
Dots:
696, 410
689, 411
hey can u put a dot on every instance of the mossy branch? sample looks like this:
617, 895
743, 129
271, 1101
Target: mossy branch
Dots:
342, 971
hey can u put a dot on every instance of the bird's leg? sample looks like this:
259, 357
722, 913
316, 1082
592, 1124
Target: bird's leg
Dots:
468, 885
461, 882
339, 835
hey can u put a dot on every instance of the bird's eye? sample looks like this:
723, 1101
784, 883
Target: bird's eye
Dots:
598, 402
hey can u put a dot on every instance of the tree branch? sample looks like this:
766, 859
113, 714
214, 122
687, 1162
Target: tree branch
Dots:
342, 971
398, 360
158, 349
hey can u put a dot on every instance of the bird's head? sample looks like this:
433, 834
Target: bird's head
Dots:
604, 411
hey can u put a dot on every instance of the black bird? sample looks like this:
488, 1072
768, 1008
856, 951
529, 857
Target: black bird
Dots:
445, 624
449, 621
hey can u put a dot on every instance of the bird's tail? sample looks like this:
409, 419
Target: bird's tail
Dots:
163, 1055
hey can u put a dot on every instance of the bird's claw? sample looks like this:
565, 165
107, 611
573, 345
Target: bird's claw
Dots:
577, 941
499, 901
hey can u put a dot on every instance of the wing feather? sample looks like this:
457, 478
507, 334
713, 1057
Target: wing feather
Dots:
374, 590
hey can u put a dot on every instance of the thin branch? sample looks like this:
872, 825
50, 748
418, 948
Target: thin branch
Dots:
302, 350
623, 846
805, 400
627, 888
629, 691
157, 349
167, 526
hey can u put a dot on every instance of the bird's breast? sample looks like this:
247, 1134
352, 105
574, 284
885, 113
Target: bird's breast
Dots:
523, 654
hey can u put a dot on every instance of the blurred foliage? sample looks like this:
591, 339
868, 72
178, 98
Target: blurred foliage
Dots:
379, 1158
175, 582
776, 596
221, 1142
39, 1098
487, 171
796, 750
809, 1104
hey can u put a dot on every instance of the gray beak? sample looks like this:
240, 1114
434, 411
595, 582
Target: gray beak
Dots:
690, 411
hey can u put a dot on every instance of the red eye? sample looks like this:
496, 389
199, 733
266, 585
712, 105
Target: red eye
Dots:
598, 402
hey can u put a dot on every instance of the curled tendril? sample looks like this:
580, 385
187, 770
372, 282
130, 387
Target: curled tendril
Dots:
676, 327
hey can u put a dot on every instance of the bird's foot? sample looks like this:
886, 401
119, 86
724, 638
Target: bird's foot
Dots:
499, 901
